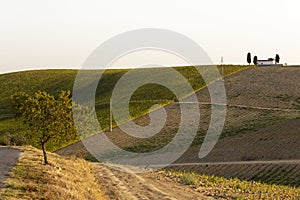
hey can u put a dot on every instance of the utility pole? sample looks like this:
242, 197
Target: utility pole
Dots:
222, 61
110, 116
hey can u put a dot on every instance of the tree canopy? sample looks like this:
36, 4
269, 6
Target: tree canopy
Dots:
255, 60
277, 58
50, 118
249, 58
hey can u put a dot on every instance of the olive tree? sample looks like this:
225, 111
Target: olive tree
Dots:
50, 118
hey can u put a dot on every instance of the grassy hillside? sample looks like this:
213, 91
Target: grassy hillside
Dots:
261, 124
61, 179
52, 81
32, 81
255, 102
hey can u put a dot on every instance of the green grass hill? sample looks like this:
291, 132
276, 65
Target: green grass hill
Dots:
52, 81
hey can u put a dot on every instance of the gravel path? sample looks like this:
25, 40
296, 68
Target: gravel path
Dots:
8, 158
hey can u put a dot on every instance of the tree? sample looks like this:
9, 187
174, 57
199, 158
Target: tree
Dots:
277, 58
50, 118
255, 60
249, 58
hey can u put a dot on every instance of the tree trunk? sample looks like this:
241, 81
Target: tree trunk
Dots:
44, 152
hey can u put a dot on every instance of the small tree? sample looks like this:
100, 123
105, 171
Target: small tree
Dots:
249, 58
277, 58
48, 117
255, 60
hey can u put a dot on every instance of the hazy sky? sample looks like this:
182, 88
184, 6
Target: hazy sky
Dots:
62, 33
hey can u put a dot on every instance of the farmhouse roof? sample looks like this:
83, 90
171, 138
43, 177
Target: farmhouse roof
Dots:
269, 59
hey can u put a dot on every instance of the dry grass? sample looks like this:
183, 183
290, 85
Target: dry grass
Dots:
233, 188
62, 179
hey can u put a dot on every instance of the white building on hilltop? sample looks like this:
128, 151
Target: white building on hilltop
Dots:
269, 62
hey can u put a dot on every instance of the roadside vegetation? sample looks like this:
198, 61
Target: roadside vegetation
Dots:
232, 188
63, 178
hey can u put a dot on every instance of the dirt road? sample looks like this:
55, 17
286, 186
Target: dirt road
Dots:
8, 158
127, 185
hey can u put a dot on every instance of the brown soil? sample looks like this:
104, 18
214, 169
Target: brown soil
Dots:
278, 142
153, 185
272, 87
263, 104
257, 89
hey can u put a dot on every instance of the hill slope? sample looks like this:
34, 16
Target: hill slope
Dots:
263, 107
277, 142
246, 113
272, 87
52, 81
261, 122
264, 125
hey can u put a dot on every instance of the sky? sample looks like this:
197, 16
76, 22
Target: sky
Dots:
37, 34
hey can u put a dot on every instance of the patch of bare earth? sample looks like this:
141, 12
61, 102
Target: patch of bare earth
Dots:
263, 113
271, 87
278, 142
128, 185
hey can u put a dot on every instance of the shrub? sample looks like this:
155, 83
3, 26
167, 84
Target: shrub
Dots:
5, 139
188, 179
18, 140
8, 139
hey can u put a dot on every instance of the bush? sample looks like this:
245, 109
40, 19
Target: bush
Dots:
188, 179
8, 139
5, 139
18, 140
